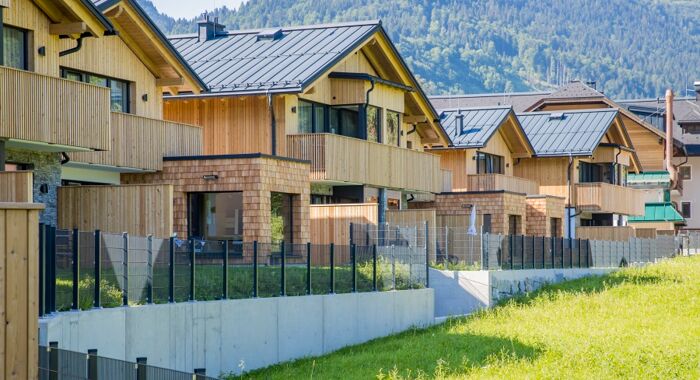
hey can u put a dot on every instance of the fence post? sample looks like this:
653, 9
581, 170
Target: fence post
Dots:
141, 373
98, 269
149, 283
353, 259
171, 270
485, 251
447, 243
522, 251
51, 259
53, 360
579, 252
42, 268
224, 291
374, 267
76, 269
393, 269
283, 285
510, 250
92, 365
332, 274
562, 253
200, 373
427, 255
192, 274
553, 246
255, 269
125, 263
352, 235
308, 268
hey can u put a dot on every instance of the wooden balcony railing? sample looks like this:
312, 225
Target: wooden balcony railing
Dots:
16, 187
606, 198
44, 109
496, 182
336, 158
141, 143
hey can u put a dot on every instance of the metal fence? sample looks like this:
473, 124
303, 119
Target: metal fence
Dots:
690, 242
56, 363
83, 270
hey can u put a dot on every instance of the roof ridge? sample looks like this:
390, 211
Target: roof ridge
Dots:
568, 111
374, 22
483, 108
483, 95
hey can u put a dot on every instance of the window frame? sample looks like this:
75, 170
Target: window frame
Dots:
84, 78
25, 44
690, 172
388, 111
492, 159
689, 214
326, 115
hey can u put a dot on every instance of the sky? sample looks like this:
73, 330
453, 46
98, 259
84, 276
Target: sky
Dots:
191, 8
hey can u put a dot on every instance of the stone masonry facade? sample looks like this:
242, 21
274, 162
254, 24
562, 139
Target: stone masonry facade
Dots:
541, 209
256, 175
499, 204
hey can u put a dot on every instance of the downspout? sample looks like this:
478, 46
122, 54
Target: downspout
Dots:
570, 185
615, 171
64, 158
366, 105
273, 123
78, 46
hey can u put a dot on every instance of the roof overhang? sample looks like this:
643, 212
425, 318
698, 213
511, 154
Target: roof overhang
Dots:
369, 78
146, 40
80, 17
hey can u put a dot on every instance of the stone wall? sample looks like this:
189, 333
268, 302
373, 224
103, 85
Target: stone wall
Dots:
540, 211
255, 175
47, 171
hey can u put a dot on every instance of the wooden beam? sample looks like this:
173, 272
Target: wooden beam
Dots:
415, 119
5, 3
67, 29
169, 82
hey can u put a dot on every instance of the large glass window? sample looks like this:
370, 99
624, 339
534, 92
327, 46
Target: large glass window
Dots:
216, 216
15, 47
489, 163
344, 121
393, 126
281, 222
686, 210
374, 124
119, 89
312, 117
590, 172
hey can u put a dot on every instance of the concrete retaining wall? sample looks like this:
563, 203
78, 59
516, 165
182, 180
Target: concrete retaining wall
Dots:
464, 292
235, 335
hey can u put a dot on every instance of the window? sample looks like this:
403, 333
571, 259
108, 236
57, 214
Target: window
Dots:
216, 216
393, 126
374, 124
554, 226
344, 120
312, 117
686, 210
685, 173
119, 89
488, 163
281, 218
590, 172
15, 49
486, 225
514, 224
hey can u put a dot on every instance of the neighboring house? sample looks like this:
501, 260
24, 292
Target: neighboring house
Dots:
486, 144
81, 102
334, 104
583, 156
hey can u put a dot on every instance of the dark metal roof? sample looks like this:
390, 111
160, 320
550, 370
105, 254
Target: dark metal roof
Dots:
693, 150
240, 63
520, 101
103, 5
96, 12
476, 127
563, 133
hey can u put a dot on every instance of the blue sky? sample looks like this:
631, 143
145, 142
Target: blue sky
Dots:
192, 8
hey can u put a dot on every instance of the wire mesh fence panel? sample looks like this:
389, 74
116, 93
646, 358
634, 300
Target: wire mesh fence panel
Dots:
138, 269
269, 270
161, 270
365, 268
86, 283
457, 249
240, 270
64, 270
321, 269
493, 247
295, 264
112, 269
55, 363
183, 251
107, 368
342, 255
209, 269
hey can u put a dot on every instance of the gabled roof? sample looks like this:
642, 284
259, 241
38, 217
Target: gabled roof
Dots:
477, 125
65, 11
238, 62
520, 101
659, 212
564, 133
150, 44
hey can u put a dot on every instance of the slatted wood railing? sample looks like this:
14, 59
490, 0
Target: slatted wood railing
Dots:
16, 187
496, 182
45, 109
141, 143
607, 198
344, 159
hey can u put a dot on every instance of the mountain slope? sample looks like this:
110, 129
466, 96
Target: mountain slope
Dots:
631, 48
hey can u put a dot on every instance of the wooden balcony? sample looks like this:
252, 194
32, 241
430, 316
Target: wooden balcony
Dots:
346, 160
606, 198
141, 143
497, 182
16, 187
36, 108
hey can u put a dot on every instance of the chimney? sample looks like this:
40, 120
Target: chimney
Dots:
208, 29
669, 136
697, 90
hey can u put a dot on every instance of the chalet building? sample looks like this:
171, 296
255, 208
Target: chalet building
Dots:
648, 139
486, 145
321, 114
80, 84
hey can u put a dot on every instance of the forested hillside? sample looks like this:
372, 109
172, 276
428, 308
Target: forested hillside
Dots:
631, 48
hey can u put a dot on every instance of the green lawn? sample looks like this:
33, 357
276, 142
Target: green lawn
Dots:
636, 323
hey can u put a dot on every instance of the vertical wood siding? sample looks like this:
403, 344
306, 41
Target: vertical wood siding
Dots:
604, 197
16, 187
331, 223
